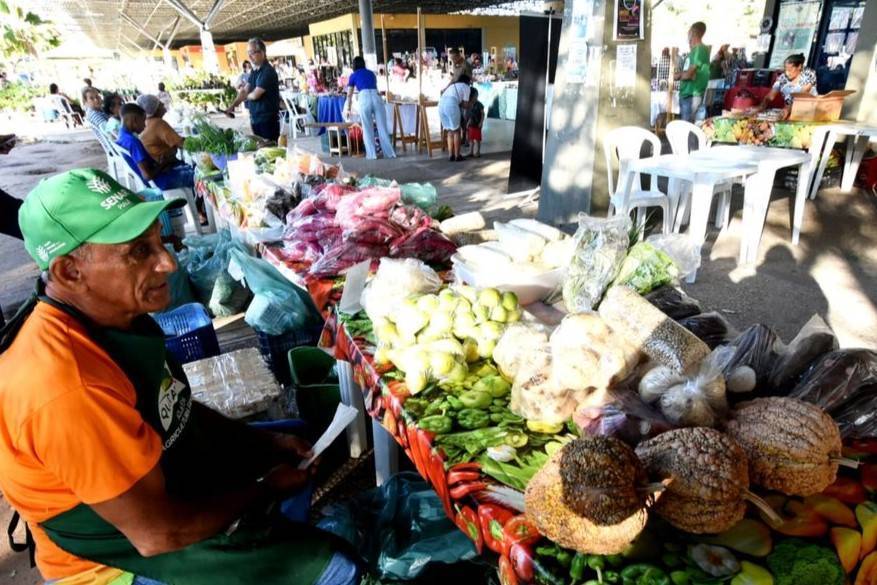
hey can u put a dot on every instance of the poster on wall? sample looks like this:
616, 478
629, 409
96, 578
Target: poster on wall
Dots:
629, 20
796, 28
579, 57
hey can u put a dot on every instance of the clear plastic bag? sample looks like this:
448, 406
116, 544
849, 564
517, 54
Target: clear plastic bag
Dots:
757, 347
522, 245
394, 281
813, 341
400, 528
622, 415
601, 245
646, 268
237, 384
837, 378
679, 247
282, 306
711, 328
673, 302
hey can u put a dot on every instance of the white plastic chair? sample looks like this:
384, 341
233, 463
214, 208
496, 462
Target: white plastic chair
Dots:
66, 112
623, 144
295, 117
134, 182
679, 135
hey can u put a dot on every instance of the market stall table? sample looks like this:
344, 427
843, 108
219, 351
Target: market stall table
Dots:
824, 139
330, 108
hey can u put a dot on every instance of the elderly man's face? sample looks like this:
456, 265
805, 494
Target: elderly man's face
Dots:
257, 55
129, 278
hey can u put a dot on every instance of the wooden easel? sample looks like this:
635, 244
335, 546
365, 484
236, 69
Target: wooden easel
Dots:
424, 137
399, 135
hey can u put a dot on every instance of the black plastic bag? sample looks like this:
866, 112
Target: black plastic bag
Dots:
813, 341
757, 347
857, 418
837, 378
712, 328
673, 302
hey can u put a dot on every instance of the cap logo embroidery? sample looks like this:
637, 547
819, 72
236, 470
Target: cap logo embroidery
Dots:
46, 249
119, 200
98, 185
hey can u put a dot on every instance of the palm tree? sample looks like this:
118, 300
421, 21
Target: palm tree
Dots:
24, 33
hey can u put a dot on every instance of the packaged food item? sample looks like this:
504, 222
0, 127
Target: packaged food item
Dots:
394, 281
622, 414
236, 384
651, 331
757, 347
813, 341
837, 377
673, 302
711, 328
646, 268
517, 347
601, 245
587, 354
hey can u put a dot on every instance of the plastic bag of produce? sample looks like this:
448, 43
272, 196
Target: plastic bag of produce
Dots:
519, 343
757, 347
423, 195
685, 254
587, 354
601, 245
857, 417
711, 328
536, 394
646, 268
673, 302
181, 289
548, 233
424, 243
229, 296
278, 306
522, 245
205, 259
342, 255
400, 528
837, 378
651, 331
395, 281
621, 414
813, 341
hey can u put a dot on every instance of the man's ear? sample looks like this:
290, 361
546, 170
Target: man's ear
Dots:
66, 272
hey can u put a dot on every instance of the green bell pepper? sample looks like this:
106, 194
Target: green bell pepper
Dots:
416, 407
644, 574
437, 423
453, 402
578, 566
472, 418
475, 399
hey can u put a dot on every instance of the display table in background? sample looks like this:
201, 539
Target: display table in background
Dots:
330, 108
751, 130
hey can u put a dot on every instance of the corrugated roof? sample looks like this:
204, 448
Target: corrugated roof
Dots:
104, 23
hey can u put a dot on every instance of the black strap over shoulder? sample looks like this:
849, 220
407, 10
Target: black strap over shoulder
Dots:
28, 544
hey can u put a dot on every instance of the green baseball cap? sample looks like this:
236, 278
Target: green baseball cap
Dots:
83, 205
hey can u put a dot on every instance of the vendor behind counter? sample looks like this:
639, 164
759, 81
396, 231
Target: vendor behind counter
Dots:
795, 79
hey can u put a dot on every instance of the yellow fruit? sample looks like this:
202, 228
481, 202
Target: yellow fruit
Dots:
486, 347
442, 363
467, 292
544, 427
499, 314
509, 300
489, 297
428, 303
416, 381
470, 350
457, 374
514, 316
481, 312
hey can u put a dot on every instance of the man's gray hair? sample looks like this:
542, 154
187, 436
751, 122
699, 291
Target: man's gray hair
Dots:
258, 42
83, 252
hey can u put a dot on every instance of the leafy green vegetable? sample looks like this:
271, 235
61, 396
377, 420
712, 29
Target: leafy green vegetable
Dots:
646, 268
797, 562
213, 139
516, 473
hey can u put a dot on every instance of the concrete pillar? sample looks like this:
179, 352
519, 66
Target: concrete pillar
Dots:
862, 105
208, 52
369, 52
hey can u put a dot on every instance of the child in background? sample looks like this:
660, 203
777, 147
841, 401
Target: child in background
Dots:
476, 120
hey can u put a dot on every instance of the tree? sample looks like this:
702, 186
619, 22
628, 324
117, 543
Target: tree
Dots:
24, 33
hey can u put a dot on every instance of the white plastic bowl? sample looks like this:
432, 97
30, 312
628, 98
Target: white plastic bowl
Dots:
529, 287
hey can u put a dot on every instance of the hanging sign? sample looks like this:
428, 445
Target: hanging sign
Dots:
629, 20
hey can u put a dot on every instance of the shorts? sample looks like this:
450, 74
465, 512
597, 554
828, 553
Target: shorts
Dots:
474, 133
449, 114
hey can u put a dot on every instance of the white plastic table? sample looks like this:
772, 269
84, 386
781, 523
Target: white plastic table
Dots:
824, 139
704, 176
759, 187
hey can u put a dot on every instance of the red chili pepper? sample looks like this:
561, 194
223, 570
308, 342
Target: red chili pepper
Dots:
521, 558
846, 490
461, 476
467, 521
436, 468
869, 476
864, 445
492, 518
506, 572
519, 530
416, 456
461, 490
398, 389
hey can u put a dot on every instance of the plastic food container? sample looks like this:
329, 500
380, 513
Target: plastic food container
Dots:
530, 287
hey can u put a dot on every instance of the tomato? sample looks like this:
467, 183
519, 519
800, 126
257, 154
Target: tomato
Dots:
506, 572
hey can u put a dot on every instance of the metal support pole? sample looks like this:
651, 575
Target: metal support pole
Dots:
139, 28
546, 111
184, 10
214, 10
369, 52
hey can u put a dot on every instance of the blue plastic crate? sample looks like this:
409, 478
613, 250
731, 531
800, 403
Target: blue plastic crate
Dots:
275, 348
189, 333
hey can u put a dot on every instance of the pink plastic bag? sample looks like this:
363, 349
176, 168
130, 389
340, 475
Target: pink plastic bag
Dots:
425, 244
342, 256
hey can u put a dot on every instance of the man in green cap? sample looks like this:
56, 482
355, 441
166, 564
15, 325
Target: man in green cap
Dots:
121, 477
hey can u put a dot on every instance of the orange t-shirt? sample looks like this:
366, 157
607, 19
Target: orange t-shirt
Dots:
69, 429
159, 138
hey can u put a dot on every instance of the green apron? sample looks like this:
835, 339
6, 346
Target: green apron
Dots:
261, 550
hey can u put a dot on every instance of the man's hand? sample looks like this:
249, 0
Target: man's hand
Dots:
229, 112
286, 479
296, 447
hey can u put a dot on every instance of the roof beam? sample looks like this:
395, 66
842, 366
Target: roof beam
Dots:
184, 10
217, 5
174, 31
140, 29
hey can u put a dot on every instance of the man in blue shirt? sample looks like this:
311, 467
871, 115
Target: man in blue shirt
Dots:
169, 174
262, 94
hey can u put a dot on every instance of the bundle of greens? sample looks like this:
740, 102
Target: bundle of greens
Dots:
214, 140
646, 268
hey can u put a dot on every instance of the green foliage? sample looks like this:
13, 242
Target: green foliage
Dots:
214, 140
17, 97
191, 90
24, 33
797, 562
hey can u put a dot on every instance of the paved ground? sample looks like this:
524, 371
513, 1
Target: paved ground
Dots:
833, 272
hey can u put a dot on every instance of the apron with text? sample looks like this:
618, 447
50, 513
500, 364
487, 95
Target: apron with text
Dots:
261, 550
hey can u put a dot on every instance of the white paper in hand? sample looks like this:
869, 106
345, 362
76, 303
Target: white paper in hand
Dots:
344, 415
